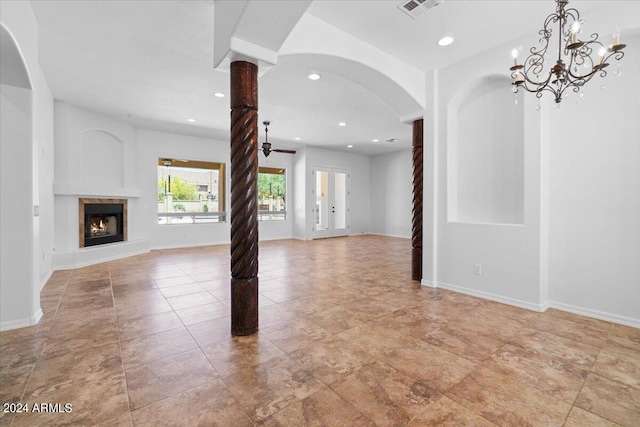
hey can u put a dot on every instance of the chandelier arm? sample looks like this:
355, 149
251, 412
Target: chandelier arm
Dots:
581, 55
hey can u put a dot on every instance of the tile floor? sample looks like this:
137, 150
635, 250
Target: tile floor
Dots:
345, 339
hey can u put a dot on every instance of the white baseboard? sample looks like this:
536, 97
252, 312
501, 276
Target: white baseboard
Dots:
487, 295
614, 318
45, 280
269, 239
188, 245
587, 312
201, 244
389, 235
428, 283
97, 254
21, 323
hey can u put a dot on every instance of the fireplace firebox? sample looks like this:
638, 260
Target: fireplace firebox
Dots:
102, 221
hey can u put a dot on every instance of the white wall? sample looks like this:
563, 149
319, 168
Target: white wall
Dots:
579, 244
595, 196
44, 175
16, 221
299, 190
94, 157
509, 255
152, 145
391, 184
358, 166
21, 298
269, 230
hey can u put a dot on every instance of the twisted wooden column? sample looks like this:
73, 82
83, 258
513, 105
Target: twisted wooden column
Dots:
416, 226
244, 198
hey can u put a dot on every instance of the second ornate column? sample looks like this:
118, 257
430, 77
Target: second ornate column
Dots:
416, 226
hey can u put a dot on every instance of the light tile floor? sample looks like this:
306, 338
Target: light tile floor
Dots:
346, 338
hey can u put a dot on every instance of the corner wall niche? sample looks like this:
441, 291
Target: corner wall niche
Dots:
101, 221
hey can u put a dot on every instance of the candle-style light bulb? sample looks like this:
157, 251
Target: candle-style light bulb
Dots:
616, 38
514, 55
575, 29
601, 53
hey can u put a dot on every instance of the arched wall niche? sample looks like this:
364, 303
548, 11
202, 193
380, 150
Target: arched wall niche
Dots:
102, 159
485, 153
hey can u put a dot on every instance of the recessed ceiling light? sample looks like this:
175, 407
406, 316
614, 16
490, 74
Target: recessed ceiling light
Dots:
191, 120
314, 76
297, 138
342, 124
375, 140
219, 95
349, 146
445, 41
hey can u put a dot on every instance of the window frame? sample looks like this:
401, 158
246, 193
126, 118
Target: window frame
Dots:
262, 213
196, 217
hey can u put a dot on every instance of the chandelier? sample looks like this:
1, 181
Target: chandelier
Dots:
576, 63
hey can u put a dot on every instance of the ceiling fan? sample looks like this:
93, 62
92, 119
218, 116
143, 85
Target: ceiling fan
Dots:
266, 145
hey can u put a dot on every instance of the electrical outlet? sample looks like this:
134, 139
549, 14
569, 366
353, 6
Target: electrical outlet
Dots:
477, 269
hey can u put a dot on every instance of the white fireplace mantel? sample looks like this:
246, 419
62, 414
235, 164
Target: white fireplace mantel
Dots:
92, 191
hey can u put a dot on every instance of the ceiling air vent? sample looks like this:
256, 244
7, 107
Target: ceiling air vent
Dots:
415, 8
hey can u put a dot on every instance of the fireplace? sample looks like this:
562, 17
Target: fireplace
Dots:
102, 221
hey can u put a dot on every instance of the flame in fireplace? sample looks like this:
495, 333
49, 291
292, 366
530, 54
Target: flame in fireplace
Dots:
100, 226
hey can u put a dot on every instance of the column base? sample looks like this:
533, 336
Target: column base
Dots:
416, 264
244, 306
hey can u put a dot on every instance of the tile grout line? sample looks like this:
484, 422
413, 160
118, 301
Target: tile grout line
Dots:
46, 336
124, 371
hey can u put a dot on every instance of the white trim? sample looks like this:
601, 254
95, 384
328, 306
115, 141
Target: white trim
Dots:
428, 283
225, 242
97, 254
385, 235
493, 297
21, 323
191, 245
268, 239
412, 117
587, 312
45, 280
614, 318
92, 191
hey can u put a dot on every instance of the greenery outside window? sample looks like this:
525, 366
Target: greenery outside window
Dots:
272, 191
190, 191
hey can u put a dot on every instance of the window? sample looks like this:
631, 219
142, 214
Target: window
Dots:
272, 191
190, 192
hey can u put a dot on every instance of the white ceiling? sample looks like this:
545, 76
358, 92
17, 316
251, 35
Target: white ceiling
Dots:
150, 63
